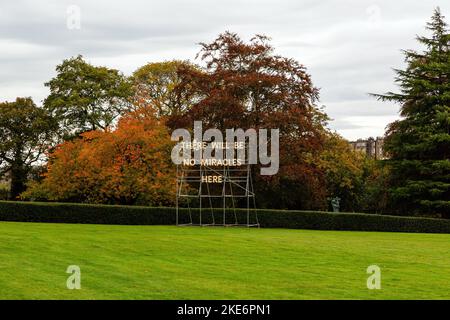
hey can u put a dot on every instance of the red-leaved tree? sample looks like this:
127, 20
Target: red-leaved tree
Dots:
245, 85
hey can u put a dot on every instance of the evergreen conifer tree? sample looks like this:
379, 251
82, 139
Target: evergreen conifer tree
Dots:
418, 144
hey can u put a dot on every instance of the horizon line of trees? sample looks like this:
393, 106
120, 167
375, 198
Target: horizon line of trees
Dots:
102, 137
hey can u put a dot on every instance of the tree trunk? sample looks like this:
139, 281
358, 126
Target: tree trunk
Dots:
18, 180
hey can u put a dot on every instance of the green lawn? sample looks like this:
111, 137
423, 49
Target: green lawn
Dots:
160, 262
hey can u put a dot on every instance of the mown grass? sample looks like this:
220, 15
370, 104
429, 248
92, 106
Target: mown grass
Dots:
167, 262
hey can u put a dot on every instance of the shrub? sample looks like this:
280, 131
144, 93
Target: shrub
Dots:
135, 215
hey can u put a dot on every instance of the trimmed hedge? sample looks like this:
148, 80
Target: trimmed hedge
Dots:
134, 215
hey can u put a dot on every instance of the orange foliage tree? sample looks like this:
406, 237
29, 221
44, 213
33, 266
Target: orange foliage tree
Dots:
129, 165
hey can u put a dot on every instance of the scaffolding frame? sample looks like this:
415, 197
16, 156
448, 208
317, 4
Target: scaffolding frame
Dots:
190, 179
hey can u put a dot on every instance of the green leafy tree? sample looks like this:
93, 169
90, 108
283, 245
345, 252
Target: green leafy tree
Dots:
26, 132
374, 194
84, 97
154, 84
419, 143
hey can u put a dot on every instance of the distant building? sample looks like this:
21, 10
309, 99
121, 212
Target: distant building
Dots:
371, 147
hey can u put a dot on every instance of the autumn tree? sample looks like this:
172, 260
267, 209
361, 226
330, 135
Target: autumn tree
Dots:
26, 132
245, 85
154, 84
128, 165
419, 143
84, 97
344, 171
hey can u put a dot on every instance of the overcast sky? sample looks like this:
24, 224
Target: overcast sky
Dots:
348, 46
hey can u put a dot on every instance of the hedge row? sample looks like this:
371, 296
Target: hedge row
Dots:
133, 215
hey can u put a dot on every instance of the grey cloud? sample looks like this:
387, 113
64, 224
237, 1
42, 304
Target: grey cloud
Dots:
349, 47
